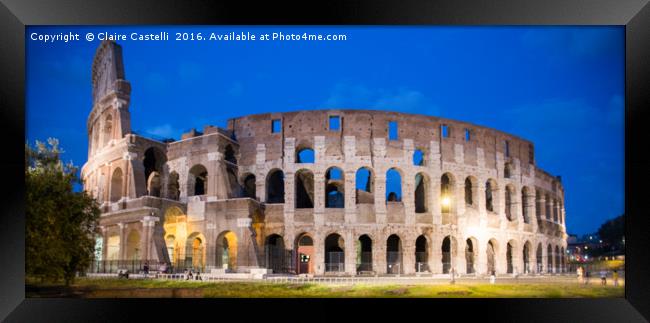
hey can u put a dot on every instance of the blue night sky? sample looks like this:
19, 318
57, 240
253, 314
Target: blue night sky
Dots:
560, 87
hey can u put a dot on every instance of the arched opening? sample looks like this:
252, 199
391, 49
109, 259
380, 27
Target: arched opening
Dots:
418, 158
490, 192
510, 212
133, 251
549, 257
421, 194
305, 252
470, 255
394, 255
199, 180
555, 217
249, 186
108, 129
275, 187
229, 155
304, 189
526, 257
173, 187
421, 254
334, 253
197, 254
393, 185
524, 204
539, 256
469, 192
446, 193
226, 249
334, 188
364, 186
116, 185
447, 254
305, 155
507, 170
113, 247
276, 255
364, 253
153, 162
491, 252
548, 207
509, 260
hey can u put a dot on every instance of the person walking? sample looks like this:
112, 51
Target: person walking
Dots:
603, 277
580, 272
615, 278
587, 275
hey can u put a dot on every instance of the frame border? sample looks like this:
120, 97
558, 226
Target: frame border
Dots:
634, 14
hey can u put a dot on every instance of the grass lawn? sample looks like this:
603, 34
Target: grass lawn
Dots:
109, 288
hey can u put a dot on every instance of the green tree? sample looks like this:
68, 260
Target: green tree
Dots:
613, 231
60, 224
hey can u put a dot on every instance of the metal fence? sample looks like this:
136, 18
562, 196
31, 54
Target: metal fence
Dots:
335, 261
394, 262
137, 266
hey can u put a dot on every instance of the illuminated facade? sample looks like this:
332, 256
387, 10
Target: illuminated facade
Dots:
322, 192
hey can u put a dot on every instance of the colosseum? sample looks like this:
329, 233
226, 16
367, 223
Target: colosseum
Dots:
340, 192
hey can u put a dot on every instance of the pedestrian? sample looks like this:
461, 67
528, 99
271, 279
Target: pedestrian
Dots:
198, 275
603, 277
452, 274
587, 275
145, 268
580, 272
615, 277
493, 277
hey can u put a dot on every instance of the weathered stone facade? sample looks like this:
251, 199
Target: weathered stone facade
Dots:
474, 202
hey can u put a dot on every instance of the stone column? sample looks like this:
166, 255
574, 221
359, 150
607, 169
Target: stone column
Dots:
436, 253
319, 197
435, 200
408, 256
461, 262
350, 254
104, 233
350, 196
148, 223
260, 176
458, 202
481, 258
379, 254
380, 196
408, 194
319, 254
122, 227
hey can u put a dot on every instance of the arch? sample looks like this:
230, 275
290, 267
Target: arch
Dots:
471, 254
364, 186
394, 255
525, 212
448, 249
334, 188
507, 170
491, 251
113, 247
510, 203
226, 248
173, 186
229, 154
418, 157
447, 183
276, 255
304, 189
153, 162
421, 254
393, 185
275, 186
305, 253
334, 253
421, 193
548, 207
108, 129
526, 253
198, 179
539, 257
491, 190
510, 261
305, 154
364, 253
133, 250
249, 186
116, 185
470, 191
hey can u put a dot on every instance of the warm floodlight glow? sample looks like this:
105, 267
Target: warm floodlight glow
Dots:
446, 201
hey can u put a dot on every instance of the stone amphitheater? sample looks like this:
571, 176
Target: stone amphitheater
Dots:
325, 192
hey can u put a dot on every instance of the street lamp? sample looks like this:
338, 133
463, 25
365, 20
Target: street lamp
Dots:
446, 201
